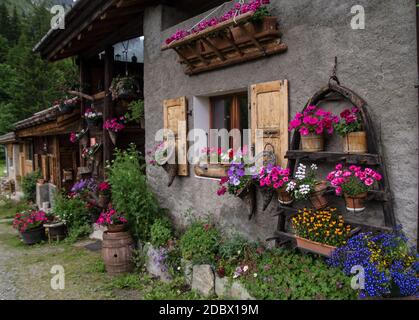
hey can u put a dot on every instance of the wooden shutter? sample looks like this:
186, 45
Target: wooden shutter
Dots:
175, 110
269, 112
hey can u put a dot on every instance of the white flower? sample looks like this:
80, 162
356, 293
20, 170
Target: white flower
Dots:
313, 166
255, 275
178, 268
245, 268
238, 252
235, 276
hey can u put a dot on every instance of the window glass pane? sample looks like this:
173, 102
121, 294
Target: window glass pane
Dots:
126, 50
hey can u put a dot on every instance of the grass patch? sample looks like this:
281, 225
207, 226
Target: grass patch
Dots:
8, 207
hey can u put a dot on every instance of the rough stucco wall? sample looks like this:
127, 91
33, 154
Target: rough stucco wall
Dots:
379, 63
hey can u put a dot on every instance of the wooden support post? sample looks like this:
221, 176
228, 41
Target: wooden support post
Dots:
108, 103
213, 48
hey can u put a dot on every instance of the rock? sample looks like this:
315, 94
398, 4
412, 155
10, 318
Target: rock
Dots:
239, 292
203, 279
222, 287
188, 271
97, 233
155, 263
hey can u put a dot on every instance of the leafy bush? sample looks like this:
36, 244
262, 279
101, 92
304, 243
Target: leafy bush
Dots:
136, 111
29, 185
160, 232
200, 243
72, 211
130, 192
284, 274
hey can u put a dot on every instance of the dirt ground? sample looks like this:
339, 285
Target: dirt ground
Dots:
25, 271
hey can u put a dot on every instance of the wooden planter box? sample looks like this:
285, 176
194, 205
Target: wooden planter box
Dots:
211, 170
228, 43
315, 247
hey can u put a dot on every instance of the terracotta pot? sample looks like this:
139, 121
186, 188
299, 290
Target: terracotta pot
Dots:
117, 252
318, 200
114, 228
284, 197
316, 247
211, 170
355, 142
355, 203
171, 170
312, 142
33, 236
266, 27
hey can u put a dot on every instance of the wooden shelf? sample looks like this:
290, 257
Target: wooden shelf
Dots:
361, 158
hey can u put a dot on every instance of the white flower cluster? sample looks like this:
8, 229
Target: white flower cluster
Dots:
301, 172
313, 167
92, 115
291, 186
304, 189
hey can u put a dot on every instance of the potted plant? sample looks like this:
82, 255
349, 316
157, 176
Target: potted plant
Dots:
89, 152
55, 228
117, 245
68, 105
350, 128
274, 178
124, 87
312, 124
238, 181
74, 137
30, 226
114, 126
354, 183
163, 155
136, 112
320, 231
388, 262
92, 117
104, 189
114, 221
306, 186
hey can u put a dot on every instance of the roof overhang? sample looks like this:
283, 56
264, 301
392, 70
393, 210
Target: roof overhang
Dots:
8, 138
92, 25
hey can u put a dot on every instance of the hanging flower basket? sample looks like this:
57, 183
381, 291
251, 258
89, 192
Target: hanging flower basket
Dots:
124, 88
284, 197
266, 27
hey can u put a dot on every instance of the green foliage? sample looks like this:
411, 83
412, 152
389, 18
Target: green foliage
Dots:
200, 243
160, 232
28, 84
136, 111
75, 214
287, 275
131, 193
29, 185
342, 128
354, 187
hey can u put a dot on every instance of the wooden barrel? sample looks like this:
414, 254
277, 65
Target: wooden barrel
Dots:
117, 251
355, 142
312, 142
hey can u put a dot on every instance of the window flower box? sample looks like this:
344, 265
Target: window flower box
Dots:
209, 170
226, 43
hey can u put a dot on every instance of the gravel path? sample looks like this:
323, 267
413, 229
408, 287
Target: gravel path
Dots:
8, 290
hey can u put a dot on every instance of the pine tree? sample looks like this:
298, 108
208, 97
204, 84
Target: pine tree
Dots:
15, 27
4, 21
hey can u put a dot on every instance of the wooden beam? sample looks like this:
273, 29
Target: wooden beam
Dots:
108, 103
213, 48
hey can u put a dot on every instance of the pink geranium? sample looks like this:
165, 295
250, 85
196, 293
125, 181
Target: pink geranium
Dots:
313, 120
352, 181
